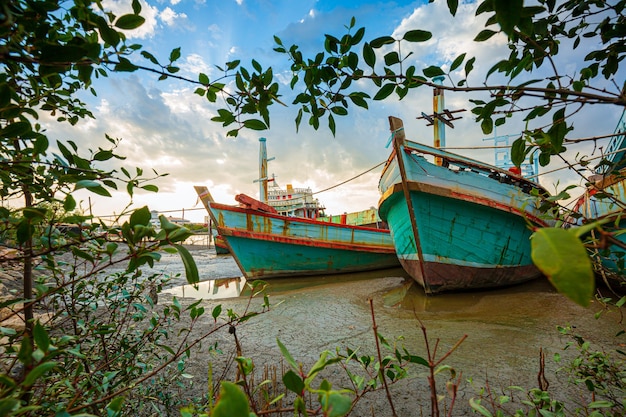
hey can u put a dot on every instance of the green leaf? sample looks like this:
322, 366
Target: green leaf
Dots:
130, 21
417, 36
125, 66
203, 79
369, 55
92, 186
69, 203
41, 337
562, 257
392, 58
140, 216
62, 53
191, 269
150, 187
150, 57
487, 125
385, 91
232, 402
287, 355
217, 310
379, 42
38, 372
483, 35
453, 5
167, 225
337, 405
16, 129
24, 231
293, 382
114, 408
8, 406
457, 62
5, 95
518, 151
433, 71
480, 409
601, 404
109, 35
103, 155
255, 124
508, 13
175, 54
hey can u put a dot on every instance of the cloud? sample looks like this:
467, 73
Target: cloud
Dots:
171, 18
195, 64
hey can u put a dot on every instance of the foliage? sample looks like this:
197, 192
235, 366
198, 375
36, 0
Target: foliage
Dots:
90, 337
598, 376
305, 395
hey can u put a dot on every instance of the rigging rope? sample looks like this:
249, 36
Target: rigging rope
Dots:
353, 178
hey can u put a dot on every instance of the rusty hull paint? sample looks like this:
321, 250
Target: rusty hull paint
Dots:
447, 277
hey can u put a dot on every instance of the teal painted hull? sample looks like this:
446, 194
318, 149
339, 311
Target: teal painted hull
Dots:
269, 245
470, 223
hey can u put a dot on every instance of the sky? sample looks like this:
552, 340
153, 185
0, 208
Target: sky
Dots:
164, 127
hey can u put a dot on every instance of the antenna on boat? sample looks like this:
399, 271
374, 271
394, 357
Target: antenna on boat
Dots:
263, 160
440, 117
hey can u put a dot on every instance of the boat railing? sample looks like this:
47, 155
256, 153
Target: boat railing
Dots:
462, 163
615, 150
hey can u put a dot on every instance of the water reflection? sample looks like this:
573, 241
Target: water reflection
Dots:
239, 287
407, 295
210, 290
410, 296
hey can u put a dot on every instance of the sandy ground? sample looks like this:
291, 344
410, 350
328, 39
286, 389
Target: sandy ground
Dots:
506, 329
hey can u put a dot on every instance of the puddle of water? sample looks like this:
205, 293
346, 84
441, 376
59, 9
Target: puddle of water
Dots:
239, 287
210, 290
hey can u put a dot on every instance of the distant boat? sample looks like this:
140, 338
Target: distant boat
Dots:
457, 223
267, 245
293, 202
605, 200
221, 248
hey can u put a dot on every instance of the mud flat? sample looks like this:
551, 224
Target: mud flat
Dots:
506, 330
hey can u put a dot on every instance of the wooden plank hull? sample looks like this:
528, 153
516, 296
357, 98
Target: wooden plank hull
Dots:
266, 245
464, 225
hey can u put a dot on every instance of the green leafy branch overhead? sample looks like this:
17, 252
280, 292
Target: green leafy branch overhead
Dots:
535, 35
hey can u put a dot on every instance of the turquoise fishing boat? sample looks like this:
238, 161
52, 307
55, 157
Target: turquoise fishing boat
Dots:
266, 244
457, 223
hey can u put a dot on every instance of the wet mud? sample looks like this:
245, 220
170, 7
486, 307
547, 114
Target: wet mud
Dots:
505, 330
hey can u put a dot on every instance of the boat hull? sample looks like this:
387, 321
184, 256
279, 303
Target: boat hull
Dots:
464, 245
464, 225
266, 245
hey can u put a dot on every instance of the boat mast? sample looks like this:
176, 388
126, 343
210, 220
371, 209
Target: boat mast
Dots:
263, 160
440, 117
439, 130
